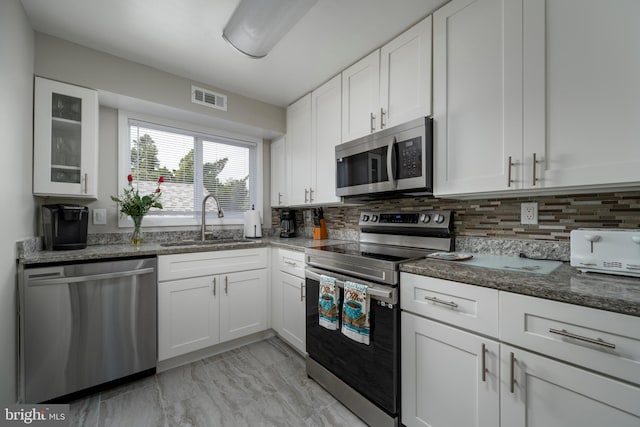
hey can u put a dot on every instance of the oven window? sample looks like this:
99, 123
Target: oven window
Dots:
362, 168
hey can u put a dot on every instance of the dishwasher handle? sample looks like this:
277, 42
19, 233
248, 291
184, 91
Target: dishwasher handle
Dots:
87, 278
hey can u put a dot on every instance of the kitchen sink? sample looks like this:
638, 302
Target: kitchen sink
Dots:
212, 242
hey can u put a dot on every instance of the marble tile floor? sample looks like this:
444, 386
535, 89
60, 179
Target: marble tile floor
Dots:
260, 384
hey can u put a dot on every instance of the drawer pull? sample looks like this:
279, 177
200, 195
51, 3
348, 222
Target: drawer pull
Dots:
598, 341
484, 363
291, 263
439, 301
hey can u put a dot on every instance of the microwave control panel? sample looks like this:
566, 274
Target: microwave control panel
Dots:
410, 158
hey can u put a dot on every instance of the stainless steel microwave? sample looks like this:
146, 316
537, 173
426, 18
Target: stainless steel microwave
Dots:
394, 161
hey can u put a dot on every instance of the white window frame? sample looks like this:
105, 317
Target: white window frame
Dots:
124, 169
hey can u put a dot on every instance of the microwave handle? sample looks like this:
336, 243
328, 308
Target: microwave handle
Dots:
391, 162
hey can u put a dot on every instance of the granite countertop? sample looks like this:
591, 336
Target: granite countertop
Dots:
95, 252
566, 284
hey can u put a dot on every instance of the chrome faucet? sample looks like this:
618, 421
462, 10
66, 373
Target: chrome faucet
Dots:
204, 213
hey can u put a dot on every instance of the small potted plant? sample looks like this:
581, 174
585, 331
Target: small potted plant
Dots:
136, 206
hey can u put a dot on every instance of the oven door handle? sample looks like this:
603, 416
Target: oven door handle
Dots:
371, 289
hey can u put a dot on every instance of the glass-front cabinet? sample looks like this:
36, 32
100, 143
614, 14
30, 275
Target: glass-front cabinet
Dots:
65, 134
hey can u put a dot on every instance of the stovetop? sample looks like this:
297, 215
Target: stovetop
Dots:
386, 240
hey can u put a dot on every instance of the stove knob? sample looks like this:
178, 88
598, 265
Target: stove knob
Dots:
425, 218
365, 218
374, 218
439, 219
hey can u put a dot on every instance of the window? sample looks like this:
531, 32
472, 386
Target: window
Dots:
193, 164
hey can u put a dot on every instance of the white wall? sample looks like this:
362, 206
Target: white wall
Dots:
18, 212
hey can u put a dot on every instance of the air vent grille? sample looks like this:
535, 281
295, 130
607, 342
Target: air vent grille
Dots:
208, 98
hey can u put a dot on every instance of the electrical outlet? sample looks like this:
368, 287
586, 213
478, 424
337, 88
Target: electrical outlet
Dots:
99, 216
529, 213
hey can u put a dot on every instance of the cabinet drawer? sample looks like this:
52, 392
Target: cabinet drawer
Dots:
600, 340
291, 262
470, 307
182, 266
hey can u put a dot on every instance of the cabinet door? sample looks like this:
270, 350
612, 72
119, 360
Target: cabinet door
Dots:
278, 173
547, 393
187, 315
243, 303
325, 135
65, 135
298, 150
581, 92
405, 76
442, 376
292, 308
477, 96
361, 97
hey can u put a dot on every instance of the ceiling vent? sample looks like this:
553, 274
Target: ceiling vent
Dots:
208, 98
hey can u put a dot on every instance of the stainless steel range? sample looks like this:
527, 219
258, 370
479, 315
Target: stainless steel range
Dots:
365, 377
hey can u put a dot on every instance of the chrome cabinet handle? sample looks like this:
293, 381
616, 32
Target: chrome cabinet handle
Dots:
484, 362
226, 285
509, 180
279, 198
535, 162
373, 126
291, 263
310, 195
382, 114
85, 183
597, 341
214, 286
512, 368
301, 291
306, 195
439, 301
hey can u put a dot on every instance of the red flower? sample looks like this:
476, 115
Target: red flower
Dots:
161, 179
157, 190
129, 177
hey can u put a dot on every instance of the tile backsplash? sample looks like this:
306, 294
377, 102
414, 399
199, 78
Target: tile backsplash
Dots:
500, 218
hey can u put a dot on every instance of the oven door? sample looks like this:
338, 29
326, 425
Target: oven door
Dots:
371, 370
398, 158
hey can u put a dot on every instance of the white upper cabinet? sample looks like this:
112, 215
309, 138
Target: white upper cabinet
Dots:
361, 97
325, 135
477, 107
313, 131
581, 92
392, 85
298, 151
405, 76
65, 140
278, 173
536, 95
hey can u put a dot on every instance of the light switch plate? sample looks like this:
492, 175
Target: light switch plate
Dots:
529, 213
99, 216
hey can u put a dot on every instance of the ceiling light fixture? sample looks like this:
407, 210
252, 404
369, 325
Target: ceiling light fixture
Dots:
257, 25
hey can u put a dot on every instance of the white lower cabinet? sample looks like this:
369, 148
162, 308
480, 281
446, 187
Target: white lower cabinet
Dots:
188, 317
288, 315
578, 367
223, 301
450, 377
537, 391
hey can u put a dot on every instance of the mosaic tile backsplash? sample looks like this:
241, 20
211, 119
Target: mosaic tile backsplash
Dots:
500, 218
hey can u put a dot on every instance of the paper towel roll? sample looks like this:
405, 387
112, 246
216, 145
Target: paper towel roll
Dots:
252, 224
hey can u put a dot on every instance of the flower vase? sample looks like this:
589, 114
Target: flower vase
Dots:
136, 237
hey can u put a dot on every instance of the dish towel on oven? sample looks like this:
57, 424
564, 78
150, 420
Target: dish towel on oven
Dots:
355, 312
328, 302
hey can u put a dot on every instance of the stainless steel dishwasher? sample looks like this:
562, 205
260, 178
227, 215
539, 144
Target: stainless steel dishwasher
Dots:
82, 325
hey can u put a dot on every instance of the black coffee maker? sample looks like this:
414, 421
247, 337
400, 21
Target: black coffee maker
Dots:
287, 223
65, 226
